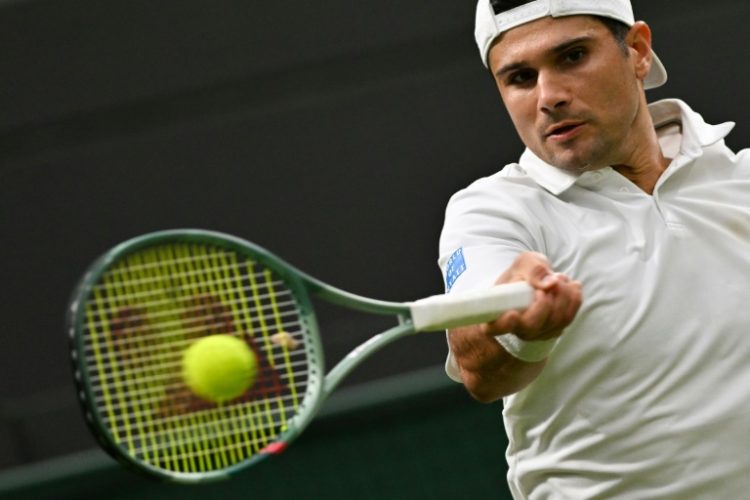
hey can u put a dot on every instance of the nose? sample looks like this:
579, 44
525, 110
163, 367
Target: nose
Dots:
553, 93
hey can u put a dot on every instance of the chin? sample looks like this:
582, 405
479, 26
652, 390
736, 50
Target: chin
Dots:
582, 167
575, 163
569, 164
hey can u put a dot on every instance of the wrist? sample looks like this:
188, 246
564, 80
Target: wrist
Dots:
531, 351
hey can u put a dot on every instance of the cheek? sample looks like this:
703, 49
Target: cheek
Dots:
522, 112
615, 83
622, 102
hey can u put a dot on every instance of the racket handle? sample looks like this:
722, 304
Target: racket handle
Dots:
440, 312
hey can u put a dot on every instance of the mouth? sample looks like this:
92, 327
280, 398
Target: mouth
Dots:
563, 131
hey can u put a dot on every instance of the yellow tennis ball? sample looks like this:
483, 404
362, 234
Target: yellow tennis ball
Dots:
219, 368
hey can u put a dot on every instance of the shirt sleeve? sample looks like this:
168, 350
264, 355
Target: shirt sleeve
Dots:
484, 231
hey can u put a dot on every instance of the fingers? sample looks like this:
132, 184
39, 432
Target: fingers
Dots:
551, 312
556, 303
533, 268
540, 274
506, 323
556, 311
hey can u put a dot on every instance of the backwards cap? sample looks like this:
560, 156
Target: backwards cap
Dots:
494, 17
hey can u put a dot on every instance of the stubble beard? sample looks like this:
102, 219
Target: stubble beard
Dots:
578, 157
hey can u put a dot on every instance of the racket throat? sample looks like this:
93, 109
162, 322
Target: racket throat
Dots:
364, 351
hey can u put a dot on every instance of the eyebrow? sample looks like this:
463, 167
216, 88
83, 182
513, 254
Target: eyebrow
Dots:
557, 49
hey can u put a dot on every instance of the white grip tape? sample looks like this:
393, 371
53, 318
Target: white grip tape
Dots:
469, 308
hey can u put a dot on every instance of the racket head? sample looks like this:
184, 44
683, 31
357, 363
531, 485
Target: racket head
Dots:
136, 310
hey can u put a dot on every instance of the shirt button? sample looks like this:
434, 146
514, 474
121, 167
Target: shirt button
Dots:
624, 190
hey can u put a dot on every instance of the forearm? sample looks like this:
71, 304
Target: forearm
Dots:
487, 370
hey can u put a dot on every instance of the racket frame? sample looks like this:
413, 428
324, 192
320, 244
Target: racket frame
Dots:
302, 285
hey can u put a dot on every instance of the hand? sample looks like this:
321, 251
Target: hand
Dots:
555, 305
487, 370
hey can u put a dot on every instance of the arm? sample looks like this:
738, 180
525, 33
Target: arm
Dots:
487, 370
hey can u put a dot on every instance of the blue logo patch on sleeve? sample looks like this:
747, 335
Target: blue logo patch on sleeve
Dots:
455, 268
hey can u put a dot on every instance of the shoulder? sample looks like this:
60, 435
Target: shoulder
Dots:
495, 211
721, 158
507, 190
742, 158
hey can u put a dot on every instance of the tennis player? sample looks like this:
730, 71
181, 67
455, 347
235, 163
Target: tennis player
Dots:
629, 377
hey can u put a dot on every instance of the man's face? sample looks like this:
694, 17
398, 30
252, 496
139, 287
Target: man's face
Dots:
571, 91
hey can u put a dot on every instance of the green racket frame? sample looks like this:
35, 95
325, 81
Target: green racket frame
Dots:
299, 283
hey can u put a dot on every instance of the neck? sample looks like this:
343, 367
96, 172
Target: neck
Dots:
646, 162
645, 174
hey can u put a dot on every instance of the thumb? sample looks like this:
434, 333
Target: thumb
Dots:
540, 275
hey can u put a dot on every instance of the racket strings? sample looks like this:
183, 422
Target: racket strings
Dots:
143, 314
160, 382
154, 389
163, 297
184, 264
214, 412
127, 345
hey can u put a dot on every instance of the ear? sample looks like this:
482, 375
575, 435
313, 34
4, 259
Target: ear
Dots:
639, 44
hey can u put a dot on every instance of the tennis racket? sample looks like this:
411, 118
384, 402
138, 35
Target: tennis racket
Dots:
142, 303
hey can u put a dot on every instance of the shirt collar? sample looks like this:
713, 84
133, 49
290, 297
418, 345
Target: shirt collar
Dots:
553, 179
696, 135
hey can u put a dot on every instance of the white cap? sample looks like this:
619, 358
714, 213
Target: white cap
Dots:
492, 21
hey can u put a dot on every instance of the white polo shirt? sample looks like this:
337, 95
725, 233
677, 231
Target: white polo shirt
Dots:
647, 393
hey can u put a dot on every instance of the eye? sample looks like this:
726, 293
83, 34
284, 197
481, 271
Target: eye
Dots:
521, 77
574, 55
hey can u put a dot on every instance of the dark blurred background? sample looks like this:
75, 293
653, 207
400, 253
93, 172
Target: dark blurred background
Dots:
330, 132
